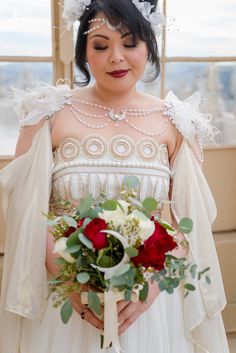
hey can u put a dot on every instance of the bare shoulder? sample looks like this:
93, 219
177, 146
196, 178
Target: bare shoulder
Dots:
149, 99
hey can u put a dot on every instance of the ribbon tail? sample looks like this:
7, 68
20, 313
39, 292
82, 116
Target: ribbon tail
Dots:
111, 321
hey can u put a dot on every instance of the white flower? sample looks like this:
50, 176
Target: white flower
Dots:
117, 217
73, 10
60, 247
146, 227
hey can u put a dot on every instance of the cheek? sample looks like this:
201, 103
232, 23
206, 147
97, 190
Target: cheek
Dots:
139, 57
96, 60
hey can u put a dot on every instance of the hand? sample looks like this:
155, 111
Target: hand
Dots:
88, 315
128, 312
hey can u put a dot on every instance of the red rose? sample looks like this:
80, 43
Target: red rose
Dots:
71, 230
93, 233
152, 253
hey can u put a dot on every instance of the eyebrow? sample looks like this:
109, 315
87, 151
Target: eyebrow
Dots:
107, 38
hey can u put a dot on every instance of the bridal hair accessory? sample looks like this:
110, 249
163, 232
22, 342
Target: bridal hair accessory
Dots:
74, 10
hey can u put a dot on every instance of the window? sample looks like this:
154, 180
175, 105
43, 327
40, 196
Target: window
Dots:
198, 53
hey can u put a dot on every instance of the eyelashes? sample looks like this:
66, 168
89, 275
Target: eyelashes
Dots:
100, 48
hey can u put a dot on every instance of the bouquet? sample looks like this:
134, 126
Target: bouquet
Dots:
116, 247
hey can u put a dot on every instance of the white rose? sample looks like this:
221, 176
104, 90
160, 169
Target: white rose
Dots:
59, 248
146, 226
118, 217
146, 229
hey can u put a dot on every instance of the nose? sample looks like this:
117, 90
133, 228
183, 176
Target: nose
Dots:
116, 56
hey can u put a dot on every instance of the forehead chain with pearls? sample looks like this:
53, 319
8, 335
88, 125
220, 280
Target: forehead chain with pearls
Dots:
73, 10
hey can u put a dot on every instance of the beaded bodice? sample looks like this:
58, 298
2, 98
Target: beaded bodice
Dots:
95, 165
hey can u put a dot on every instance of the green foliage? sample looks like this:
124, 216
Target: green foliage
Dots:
73, 249
131, 251
110, 205
84, 240
83, 277
189, 287
149, 204
73, 238
66, 311
127, 295
85, 205
185, 225
131, 182
94, 302
125, 279
144, 292
71, 222
166, 226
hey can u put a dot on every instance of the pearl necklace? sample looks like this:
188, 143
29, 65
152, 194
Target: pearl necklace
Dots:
118, 117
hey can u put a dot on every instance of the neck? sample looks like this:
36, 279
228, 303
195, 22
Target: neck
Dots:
114, 99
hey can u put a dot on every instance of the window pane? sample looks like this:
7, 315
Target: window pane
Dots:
20, 75
217, 84
202, 28
25, 28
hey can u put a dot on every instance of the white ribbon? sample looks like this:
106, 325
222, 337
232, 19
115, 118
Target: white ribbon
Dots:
110, 299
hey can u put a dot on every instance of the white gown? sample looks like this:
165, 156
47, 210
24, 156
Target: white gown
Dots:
172, 324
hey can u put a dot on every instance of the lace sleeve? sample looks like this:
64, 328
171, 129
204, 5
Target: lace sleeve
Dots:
194, 126
43, 100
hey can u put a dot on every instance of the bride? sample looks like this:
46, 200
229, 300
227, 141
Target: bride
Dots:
75, 142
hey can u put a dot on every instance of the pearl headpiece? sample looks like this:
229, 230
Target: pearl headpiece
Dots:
74, 9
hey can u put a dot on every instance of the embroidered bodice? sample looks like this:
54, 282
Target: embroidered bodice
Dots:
95, 165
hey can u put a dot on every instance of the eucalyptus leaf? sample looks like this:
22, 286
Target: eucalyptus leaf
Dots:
110, 205
70, 221
189, 287
131, 251
66, 311
73, 239
94, 302
144, 292
167, 226
86, 222
208, 280
72, 249
84, 240
185, 225
150, 204
85, 204
93, 213
83, 277
127, 295
60, 261
131, 181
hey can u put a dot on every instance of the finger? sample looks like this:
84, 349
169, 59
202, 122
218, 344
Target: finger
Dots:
93, 320
127, 323
126, 312
121, 305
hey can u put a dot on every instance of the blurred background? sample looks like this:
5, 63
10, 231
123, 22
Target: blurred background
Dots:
197, 51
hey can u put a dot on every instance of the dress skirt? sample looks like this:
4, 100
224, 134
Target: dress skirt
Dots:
160, 329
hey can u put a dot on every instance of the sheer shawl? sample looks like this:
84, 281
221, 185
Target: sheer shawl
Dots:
24, 195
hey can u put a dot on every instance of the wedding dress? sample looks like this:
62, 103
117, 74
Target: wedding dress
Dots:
36, 179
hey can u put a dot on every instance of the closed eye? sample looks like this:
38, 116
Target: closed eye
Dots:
100, 48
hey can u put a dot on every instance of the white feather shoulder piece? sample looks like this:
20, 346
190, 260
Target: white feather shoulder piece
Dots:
40, 101
189, 121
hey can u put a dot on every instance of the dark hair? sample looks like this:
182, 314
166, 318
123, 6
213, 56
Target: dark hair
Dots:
117, 11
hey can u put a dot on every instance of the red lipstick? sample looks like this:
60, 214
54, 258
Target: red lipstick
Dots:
118, 73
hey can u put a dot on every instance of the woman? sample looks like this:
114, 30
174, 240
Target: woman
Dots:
99, 134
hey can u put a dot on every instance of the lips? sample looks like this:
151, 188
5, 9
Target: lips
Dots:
118, 73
